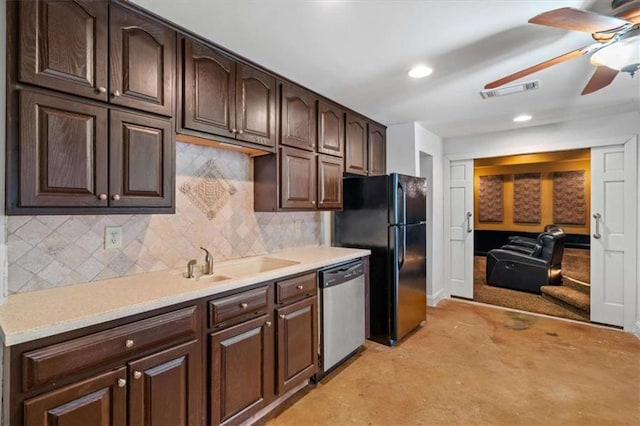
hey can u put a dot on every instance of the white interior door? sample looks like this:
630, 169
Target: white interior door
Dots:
461, 228
613, 260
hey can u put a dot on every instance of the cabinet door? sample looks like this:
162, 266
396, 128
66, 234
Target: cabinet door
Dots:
255, 106
209, 90
241, 377
63, 46
377, 150
297, 343
166, 387
99, 400
297, 179
142, 151
356, 145
63, 152
142, 62
330, 129
329, 182
297, 118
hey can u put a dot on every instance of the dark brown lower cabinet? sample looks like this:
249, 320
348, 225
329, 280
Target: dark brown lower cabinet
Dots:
165, 387
297, 343
241, 370
99, 400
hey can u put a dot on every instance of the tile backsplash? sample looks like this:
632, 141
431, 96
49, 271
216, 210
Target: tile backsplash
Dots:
214, 209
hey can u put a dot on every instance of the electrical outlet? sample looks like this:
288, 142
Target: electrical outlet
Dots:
112, 237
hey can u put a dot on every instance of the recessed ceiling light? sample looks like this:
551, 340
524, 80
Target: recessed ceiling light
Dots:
420, 71
522, 117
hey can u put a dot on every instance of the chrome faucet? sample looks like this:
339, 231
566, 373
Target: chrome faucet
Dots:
190, 267
208, 259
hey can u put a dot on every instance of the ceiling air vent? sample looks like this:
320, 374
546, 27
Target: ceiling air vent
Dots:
510, 90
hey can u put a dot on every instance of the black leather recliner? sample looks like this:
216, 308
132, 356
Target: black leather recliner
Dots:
527, 269
518, 240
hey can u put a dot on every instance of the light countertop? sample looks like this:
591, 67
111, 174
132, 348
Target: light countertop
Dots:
43, 313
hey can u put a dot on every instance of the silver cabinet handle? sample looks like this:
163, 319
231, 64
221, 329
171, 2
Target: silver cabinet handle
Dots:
137, 375
116, 197
102, 89
283, 316
122, 383
268, 323
469, 221
234, 130
240, 131
128, 343
244, 305
102, 197
116, 93
597, 234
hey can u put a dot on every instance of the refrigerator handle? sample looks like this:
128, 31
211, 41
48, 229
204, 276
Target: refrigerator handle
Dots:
403, 245
403, 204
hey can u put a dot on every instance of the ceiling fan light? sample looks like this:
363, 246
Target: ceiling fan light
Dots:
622, 56
420, 71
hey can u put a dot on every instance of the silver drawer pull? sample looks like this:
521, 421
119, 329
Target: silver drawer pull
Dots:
268, 323
299, 287
597, 234
243, 305
128, 343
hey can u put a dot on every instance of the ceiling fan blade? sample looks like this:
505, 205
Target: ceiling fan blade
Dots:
601, 78
579, 20
538, 67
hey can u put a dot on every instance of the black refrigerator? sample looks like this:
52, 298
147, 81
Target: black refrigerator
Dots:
387, 214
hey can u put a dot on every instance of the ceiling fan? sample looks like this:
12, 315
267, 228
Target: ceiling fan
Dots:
617, 47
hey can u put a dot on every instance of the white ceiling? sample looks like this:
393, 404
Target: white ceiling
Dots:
358, 52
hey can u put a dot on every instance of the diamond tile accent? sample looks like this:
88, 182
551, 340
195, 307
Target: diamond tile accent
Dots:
208, 189
214, 209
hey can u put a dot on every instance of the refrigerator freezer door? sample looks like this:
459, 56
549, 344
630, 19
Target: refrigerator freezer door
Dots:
408, 199
409, 271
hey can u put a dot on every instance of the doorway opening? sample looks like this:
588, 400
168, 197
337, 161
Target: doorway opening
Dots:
532, 233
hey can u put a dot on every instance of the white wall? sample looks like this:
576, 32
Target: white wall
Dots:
405, 143
615, 129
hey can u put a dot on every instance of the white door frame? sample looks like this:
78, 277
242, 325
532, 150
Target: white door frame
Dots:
632, 292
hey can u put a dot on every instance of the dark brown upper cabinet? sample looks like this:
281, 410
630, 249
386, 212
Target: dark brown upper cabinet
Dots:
66, 159
225, 98
142, 62
100, 51
329, 182
63, 152
330, 129
298, 178
366, 147
377, 149
63, 46
356, 145
141, 154
297, 117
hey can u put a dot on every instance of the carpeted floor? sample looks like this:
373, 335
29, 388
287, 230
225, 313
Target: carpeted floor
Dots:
479, 365
484, 293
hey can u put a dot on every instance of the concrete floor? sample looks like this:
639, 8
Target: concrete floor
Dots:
474, 364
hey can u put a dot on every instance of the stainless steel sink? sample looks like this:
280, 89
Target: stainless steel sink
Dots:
253, 266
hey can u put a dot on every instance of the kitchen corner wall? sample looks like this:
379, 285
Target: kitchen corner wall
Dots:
214, 209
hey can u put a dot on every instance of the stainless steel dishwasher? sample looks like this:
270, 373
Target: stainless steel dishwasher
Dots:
341, 316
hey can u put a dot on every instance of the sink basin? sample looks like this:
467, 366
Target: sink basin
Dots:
253, 266
212, 278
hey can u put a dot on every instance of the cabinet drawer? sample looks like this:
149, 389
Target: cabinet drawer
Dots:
75, 356
253, 301
296, 288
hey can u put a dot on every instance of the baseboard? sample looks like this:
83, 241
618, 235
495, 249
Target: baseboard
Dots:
434, 299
